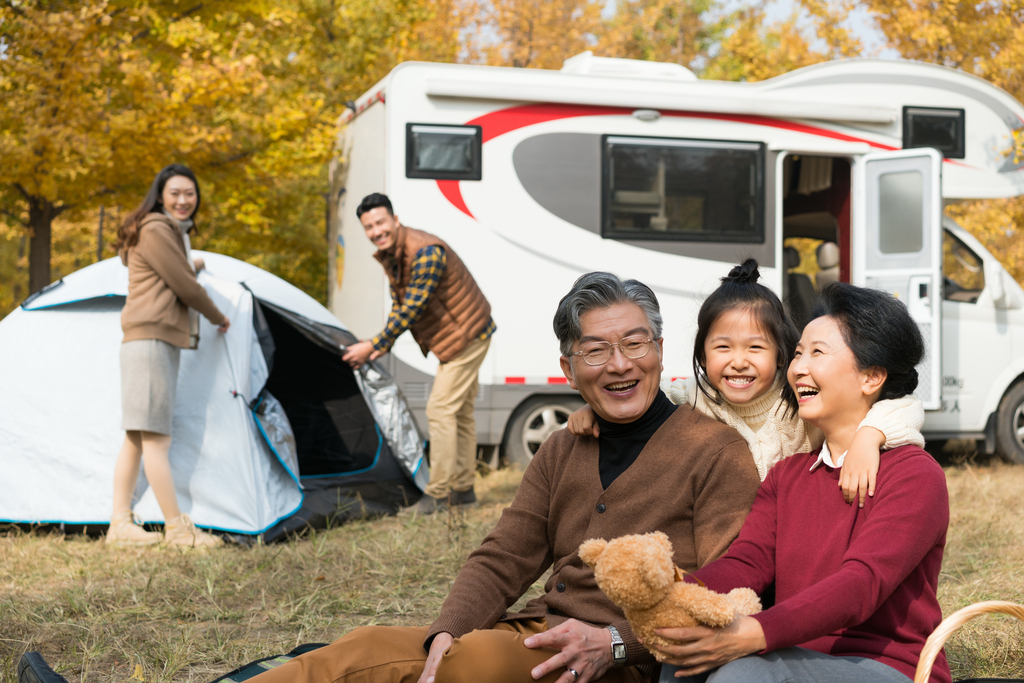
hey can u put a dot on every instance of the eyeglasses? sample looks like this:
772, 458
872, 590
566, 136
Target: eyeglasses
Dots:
600, 352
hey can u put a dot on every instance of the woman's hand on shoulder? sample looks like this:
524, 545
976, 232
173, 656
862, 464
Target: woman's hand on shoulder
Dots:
583, 423
198, 262
700, 648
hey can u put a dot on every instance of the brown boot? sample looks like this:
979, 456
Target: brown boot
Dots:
126, 530
182, 532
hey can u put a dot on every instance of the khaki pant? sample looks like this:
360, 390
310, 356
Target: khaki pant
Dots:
452, 426
395, 654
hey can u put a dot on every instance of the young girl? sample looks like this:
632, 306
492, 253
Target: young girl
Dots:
743, 347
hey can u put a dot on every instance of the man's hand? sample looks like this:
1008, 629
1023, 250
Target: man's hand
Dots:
586, 649
359, 353
700, 648
442, 641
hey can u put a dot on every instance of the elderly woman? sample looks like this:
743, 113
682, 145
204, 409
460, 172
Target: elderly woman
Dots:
855, 587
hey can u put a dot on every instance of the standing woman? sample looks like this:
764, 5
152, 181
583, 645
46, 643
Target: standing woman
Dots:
158, 321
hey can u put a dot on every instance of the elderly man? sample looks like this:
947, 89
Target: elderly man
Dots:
654, 466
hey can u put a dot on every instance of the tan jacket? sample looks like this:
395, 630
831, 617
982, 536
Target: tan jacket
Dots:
162, 286
695, 481
456, 313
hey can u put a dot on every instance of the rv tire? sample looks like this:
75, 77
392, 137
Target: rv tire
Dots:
533, 422
1010, 425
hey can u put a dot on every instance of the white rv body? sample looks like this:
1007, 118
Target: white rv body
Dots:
546, 210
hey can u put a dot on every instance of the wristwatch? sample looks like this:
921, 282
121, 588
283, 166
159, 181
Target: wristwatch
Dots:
618, 648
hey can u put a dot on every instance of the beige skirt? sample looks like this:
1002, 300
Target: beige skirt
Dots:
149, 380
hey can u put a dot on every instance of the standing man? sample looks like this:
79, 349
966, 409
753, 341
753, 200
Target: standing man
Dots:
434, 295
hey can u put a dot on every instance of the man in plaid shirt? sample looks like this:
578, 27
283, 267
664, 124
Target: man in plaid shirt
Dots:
436, 298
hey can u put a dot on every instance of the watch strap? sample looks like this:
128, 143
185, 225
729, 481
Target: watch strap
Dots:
618, 647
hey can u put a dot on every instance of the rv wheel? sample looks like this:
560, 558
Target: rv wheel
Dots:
533, 422
1010, 425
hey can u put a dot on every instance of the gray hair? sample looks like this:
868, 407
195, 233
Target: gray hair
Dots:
601, 290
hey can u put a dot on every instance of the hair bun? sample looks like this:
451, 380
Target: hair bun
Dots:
746, 273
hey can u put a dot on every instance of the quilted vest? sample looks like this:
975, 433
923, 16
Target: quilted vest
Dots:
456, 313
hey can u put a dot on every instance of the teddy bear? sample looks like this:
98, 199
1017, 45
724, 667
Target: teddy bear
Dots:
637, 573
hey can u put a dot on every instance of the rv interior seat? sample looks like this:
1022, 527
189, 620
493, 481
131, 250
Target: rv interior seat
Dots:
828, 264
799, 294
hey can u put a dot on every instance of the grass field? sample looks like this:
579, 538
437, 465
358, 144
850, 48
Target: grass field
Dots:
101, 614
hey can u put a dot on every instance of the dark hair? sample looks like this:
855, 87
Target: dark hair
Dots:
879, 331
128, 233
600, 290
373, 201
741, 289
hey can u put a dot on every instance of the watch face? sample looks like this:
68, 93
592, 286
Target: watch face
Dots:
619, 651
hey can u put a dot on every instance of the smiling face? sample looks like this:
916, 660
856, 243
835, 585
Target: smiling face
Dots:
833, 393
179, 197
622, 389
381, 227
741, 359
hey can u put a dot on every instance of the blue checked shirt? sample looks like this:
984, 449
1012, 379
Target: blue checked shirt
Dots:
424, 276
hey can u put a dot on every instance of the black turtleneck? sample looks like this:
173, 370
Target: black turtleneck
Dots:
620, 444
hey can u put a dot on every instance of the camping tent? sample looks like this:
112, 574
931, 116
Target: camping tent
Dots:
272, 431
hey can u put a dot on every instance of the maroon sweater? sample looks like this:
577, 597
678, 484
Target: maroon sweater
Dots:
849, 581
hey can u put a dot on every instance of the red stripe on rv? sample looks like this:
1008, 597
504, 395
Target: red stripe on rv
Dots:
557, 380
503, 121
453, 193
515, 380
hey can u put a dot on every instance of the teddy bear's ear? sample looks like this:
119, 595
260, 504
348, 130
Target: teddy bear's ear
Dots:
591, 550
662, 539
654, 561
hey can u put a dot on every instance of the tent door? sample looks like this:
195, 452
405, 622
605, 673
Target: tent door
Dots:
898, 245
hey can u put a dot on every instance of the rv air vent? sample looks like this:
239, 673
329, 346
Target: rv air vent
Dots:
942, 129
586, 63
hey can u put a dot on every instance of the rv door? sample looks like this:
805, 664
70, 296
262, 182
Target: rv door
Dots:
898, 245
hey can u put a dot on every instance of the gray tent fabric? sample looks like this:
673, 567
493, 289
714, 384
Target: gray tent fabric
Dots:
272, 431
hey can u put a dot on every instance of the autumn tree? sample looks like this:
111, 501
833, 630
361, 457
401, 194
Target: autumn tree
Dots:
88, 113
679, 31
539, 34
984, 39
100, 95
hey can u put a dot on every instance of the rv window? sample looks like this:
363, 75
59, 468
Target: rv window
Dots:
942, 129
900, 212
442, 152
668, 189
963, 270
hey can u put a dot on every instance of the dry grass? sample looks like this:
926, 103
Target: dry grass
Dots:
98, 613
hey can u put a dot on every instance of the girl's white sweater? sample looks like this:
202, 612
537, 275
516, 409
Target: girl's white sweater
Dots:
773, 435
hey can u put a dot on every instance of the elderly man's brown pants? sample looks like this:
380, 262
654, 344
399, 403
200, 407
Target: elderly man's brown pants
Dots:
394, 654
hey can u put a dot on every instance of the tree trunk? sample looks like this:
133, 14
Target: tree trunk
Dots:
41, 213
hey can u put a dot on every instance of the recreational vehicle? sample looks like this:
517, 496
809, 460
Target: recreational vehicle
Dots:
838, 171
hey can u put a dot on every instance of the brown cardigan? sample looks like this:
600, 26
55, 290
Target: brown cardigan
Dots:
162, 286
456, 313
695, 480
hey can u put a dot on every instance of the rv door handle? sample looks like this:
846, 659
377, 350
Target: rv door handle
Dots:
922, 290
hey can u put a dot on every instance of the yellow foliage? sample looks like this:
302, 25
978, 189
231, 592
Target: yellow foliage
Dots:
101, 94
540, 34
754, 50
661, 31
984, 39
